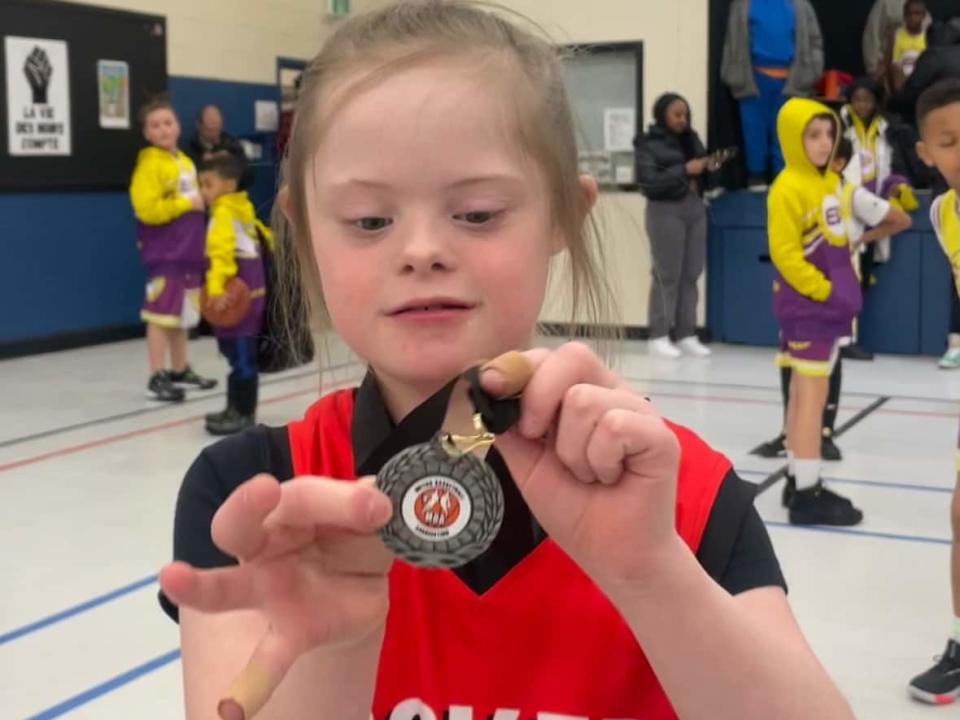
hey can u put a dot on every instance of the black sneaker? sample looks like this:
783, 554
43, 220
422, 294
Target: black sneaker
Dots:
189, 379
216, 417
776, 448
855, 352
940, 685
160, 388
820, 506
829, 450
229, 423
789, 490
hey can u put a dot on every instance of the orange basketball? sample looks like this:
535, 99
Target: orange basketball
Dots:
237, 302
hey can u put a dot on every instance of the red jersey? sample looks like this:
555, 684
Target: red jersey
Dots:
542, 644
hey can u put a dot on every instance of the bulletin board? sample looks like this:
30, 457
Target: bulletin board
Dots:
71, 80
605, 85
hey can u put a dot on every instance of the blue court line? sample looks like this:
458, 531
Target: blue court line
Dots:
860, 533
867, 483
76, 610
106, 687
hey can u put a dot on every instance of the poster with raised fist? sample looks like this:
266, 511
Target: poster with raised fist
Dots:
38, 96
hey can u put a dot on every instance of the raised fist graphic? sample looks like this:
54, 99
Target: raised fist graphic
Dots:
38, 70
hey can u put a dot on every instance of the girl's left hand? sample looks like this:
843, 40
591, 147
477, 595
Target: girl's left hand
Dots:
596, 464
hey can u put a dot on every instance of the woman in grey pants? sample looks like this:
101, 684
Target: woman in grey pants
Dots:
671, 164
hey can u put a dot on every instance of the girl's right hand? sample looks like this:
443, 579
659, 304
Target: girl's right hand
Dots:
196, 202
310, 562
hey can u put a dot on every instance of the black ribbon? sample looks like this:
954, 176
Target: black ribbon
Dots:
499, 414
424, 423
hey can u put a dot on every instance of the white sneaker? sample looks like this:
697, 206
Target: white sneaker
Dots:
692, 346
951, 360
663, 347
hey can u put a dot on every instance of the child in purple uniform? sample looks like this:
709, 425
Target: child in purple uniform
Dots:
234, 249
169, 212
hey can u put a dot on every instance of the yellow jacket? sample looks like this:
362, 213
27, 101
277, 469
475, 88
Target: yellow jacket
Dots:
233, 233
816, 293
907, 49
945, 215
162, 186
797, 213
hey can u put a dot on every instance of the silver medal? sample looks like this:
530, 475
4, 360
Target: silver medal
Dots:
448, 502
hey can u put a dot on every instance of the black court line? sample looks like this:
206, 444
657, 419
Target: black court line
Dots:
770, 388
896, 537
774, 477
208, 395
879, 484
315, 372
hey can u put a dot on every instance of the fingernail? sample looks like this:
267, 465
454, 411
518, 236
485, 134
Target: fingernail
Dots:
230, 710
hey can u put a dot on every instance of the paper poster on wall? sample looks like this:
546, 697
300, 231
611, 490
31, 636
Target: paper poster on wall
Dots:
619, 129
113, 81
38, 96
266, 116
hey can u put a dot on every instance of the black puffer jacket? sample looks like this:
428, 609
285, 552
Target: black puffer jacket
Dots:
661, 167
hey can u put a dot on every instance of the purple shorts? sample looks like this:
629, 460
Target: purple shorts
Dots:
813, 358
250, 270
172, 298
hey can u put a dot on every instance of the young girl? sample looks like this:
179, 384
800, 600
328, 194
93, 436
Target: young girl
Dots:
874, 164
431, 176
908, 43
816, 295
170, 234
671, 166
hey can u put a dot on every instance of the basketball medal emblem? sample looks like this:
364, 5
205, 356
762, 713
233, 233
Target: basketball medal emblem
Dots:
448, 503
436, 507
450, 507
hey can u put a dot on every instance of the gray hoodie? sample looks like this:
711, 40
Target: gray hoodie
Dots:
736, 69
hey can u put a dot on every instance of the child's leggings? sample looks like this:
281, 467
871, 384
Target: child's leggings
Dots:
243, 381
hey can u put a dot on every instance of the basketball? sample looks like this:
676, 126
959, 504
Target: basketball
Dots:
237, 296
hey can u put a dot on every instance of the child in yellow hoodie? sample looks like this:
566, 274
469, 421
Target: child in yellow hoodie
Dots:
234, 247
938, 120
871, 219
170, 222
816, 296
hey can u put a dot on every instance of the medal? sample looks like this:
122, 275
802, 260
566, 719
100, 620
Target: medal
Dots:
448, 504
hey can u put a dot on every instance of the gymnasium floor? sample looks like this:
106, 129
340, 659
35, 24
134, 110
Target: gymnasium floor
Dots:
89, 472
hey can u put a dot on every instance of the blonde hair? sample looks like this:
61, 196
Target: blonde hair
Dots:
402, 35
